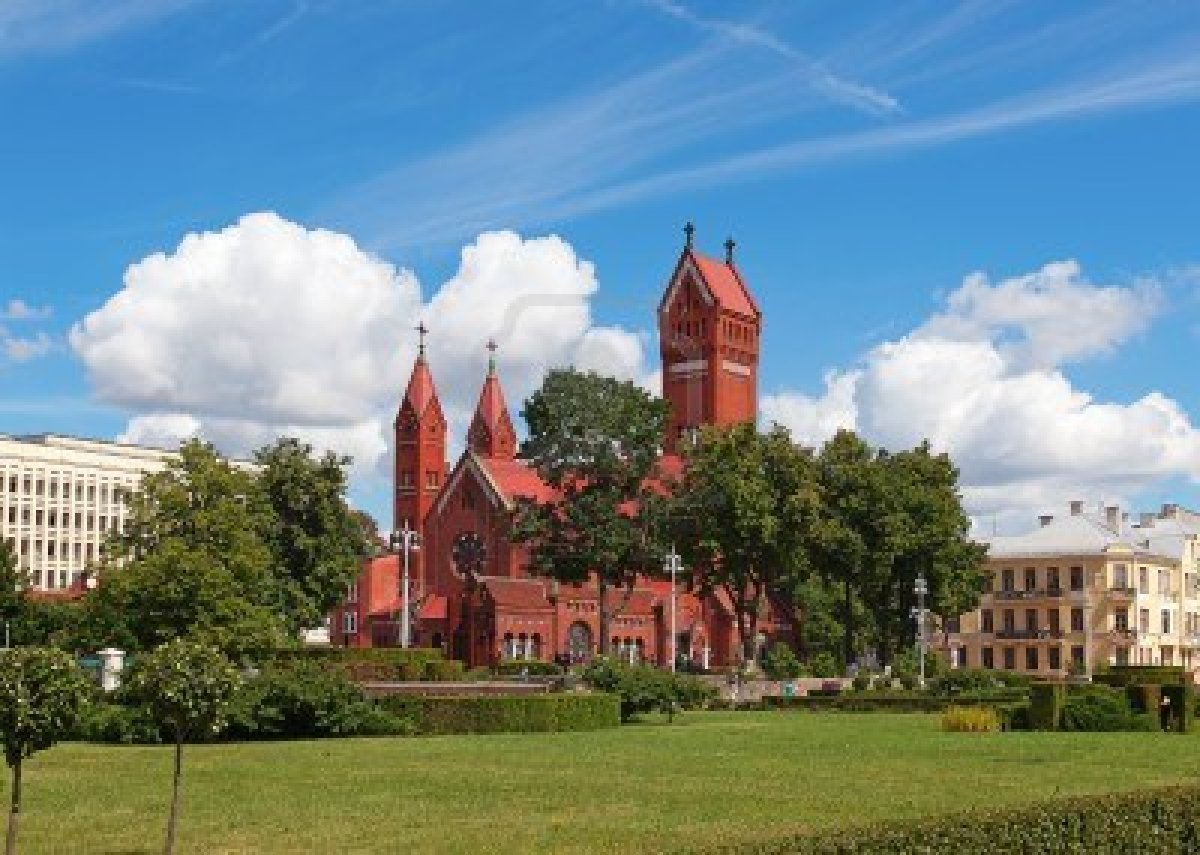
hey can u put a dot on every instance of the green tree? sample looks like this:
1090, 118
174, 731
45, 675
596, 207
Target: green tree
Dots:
42, 692
596, 441
742, 513
316, 539
189, 689
192, 560
13, 584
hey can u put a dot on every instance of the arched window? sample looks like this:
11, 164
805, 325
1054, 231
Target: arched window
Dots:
510, 646
522, 646
535, 646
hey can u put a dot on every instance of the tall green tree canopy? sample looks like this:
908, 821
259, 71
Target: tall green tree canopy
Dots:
315, 538
595, 440
742, 516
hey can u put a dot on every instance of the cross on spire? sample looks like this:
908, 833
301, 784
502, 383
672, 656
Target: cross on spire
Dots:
422, 331
491, 346
689, 230
729, 245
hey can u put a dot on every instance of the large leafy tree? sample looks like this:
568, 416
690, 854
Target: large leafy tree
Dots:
742, 513
42, 692
28, 621
192, 560
596, 441
189, 689
316, 540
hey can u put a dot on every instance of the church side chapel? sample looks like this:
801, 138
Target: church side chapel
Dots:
471, 593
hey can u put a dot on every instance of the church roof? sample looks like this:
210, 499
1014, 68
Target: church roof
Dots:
515, 479
420, 392
516, 593
491, 408
725, 284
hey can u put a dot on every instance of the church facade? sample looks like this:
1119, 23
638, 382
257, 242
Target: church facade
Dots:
471, 593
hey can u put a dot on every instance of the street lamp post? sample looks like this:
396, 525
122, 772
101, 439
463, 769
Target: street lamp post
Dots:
921, 589
406, 541
672, 567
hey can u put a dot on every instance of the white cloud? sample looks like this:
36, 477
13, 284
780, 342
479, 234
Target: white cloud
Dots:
24, 349
982, 380
19, 310
268, 328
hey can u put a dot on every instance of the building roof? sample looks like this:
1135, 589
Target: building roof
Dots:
433, 608
725, 284
515, 479
515, 593
1169, 531
1078, 532
491, 408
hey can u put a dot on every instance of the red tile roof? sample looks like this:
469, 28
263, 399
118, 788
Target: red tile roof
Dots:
726, 285
434, 608
516, 479
519, 594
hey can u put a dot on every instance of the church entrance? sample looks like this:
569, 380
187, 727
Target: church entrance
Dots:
579, 642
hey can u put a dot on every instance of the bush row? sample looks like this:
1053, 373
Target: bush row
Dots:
897, 702
1099, 707
1162, 822
374, 664
644, 689
523, 714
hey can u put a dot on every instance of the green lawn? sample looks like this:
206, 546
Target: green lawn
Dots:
652, 787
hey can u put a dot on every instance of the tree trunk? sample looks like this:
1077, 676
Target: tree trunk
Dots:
170, 847
14, 813
602, 595
848, 627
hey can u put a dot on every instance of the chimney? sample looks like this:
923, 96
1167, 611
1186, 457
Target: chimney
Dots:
1076, 507
1169, 511
1112, 517
1146, 520
1046, 519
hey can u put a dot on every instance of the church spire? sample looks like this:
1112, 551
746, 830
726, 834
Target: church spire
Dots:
420, 436
491, 433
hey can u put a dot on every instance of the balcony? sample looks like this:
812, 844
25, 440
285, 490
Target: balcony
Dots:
1014, 634
1122, 593
1121, 636
1037, 594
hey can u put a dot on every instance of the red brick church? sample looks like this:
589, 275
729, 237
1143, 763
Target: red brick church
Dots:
470, 591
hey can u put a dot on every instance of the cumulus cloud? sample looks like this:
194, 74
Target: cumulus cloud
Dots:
983, 380
24, 348
20, 310
268, 328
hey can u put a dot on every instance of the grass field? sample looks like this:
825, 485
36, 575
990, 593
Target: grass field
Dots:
710, 777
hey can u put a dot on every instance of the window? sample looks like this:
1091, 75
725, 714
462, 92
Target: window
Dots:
1052, 580
1076, 620
985, 658
1144, 621
1007, 582
1030, 579
1120, 576
1122, 655
1010, 620
952, 625
1055, 626
985, 620
1166, 621
1010, 659
431, 478
349, 622
1121, 620
1031, 622
406, 478
1055, 657
1031, 659
352, 592
1143, 580
1077, 655
1076, 578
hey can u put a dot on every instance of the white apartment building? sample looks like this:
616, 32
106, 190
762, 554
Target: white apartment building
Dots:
1169, 611
60, 495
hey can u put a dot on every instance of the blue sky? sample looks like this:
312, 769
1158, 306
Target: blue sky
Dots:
868, 159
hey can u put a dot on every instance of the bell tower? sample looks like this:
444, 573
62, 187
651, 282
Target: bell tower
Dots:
491, 433
709, 328
420, 434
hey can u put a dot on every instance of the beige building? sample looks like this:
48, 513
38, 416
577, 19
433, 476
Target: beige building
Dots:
1086, 589
59, 496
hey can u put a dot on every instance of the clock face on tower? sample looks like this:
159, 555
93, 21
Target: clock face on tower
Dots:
469, 554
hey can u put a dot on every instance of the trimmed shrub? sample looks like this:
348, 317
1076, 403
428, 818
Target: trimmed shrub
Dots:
1164, 821
443, 670
506, 714
534, 668
1127, 675
824, 665
781, 663
1096, 708
862, 682
305, 700
1046, 702
978, 680
970, 720
643, 689
118, 723
370, 664
1014, 716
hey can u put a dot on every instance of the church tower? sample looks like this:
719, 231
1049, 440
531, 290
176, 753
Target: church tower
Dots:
420, 445
491, 433
709, 329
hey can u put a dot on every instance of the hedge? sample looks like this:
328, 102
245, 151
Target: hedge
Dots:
1125, 675
376, 664
1046, 705
506, 714
874, 701
1159, 822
